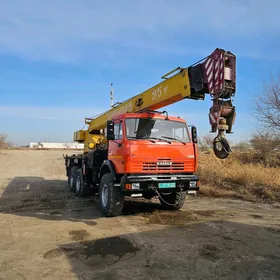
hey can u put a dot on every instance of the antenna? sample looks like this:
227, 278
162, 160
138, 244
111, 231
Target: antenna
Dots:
112, 95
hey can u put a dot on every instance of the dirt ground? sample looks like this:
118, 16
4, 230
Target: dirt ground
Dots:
46, 232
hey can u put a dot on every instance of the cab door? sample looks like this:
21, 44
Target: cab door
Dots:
116, 147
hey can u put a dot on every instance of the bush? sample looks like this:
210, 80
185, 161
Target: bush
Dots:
241, 174
266, 145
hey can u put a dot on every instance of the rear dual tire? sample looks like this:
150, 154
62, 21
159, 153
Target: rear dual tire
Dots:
81, 189
76, 182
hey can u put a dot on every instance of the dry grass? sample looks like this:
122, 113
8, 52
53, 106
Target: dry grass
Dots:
239, 175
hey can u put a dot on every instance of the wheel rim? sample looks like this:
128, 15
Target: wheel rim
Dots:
78, 185
105, 195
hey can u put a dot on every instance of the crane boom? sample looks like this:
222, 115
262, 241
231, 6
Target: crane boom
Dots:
165, 93
214, 75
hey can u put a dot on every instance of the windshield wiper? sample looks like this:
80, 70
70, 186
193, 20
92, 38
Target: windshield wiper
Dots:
173, 138
134, 137
150, 138
161, 139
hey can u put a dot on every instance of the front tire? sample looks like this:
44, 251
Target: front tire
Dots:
173, 201
111, 199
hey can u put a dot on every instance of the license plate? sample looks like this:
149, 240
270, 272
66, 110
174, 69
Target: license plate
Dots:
166, 185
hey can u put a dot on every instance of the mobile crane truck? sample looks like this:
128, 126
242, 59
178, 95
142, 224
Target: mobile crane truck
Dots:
135, 150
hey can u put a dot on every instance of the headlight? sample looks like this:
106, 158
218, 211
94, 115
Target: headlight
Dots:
192, 184
135, 186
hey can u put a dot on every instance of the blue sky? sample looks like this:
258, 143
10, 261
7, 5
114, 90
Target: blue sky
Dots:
58, 58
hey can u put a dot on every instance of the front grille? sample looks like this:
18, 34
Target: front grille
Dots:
153, 166
149, 166
177, 166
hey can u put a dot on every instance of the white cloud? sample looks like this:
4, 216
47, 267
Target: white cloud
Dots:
66, 30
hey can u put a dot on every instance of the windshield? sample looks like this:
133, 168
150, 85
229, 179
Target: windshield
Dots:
139, 128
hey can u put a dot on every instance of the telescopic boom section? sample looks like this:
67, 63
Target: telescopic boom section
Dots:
214, 75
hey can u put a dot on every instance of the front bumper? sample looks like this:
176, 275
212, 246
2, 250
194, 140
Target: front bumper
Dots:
151, 182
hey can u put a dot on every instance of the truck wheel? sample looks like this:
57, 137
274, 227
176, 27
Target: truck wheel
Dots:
173, 201
81, 189
110, 198
72, 178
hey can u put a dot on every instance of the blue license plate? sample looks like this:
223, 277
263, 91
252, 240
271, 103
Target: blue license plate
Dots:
166, 185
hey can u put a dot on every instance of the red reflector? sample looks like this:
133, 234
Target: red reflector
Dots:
128, 186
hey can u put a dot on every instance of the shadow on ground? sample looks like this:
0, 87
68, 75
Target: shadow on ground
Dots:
206, 250
140, 206
52, 200
46, 199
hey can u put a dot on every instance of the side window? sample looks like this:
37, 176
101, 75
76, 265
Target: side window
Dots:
120, 131
116, 130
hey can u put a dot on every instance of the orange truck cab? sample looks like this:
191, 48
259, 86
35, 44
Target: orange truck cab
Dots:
147, 154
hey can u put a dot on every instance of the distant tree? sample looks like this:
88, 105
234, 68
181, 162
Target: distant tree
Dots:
243, 146
3, 141
266, 143
267, 105
205, 142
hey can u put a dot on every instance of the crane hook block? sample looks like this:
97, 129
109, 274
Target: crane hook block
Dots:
221, 147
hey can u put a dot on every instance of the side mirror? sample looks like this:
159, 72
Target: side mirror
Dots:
194, 134
110, 130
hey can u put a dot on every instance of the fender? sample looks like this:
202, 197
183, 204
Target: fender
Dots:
107, 164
